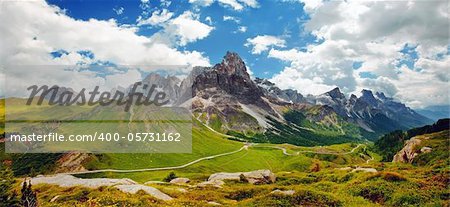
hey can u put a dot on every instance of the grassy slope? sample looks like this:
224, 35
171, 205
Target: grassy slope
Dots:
204, 143
396, 185
252, 159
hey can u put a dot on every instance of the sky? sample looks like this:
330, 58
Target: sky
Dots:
398, 47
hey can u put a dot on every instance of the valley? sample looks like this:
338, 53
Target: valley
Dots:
268, 146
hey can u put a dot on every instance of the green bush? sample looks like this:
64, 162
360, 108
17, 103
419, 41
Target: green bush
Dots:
300, 198
377, 192
170, 177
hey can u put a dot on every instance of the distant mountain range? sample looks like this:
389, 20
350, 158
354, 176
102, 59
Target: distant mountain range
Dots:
435, 112
225, 98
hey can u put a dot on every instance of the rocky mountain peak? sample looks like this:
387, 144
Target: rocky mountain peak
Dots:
368, 97
232, 64
336, 93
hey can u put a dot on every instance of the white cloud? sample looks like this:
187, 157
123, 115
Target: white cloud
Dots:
158, 17
119, 11
374, 32
201, 2
186, 28
250, 3
234, 4
45, 28
262, 43
209, 20
231, 18
242, 29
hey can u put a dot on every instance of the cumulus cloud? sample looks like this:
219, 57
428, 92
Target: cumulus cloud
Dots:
158, 17
374, 33
45, 28
234, 4
262, 43
184, 29
231, 18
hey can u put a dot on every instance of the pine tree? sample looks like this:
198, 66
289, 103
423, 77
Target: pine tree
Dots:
29, 198
8, 197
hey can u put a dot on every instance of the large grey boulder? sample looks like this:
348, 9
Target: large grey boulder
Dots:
133, 189
125, 185
180, 181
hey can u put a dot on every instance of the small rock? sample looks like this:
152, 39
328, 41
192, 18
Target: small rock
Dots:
180, 181
425, 150
345, 168
373, 170
214, 203
54, 199
284, 192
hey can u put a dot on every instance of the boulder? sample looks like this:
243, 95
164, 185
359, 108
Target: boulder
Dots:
253, 177
65, 180
180, 181
212, 183
407, 154
125, 185
147, 189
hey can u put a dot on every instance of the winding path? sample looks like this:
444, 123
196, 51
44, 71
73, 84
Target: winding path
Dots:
246, 146
160, 168
310, 151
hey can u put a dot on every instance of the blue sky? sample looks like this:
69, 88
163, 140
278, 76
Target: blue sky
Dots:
273, 18
397, 47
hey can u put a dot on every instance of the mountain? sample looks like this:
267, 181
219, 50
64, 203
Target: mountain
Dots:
225, 98
435, 112
374, 113
274, 93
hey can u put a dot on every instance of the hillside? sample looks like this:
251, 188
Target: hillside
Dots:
389, 144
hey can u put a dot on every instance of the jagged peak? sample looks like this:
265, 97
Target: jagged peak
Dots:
381, 95
366, 92
232, 63
336, 93
367, 96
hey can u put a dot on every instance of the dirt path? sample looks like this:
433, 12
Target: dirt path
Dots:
310, 151
161, 168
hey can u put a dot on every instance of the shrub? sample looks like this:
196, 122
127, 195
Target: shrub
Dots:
388, 176
393, 177
300, 198
170, 177
377, 192
242, 194
407, 199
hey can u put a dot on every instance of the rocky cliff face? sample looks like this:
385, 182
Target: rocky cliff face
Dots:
225, 97
276, 94
412, 149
